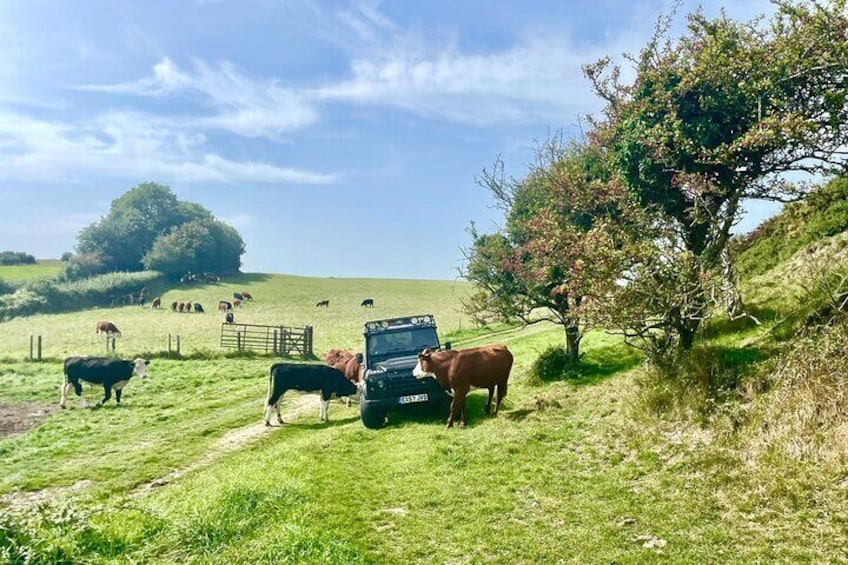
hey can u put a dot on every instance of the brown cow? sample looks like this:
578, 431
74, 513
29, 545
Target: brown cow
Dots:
345, 361
246, 295
107, 327
337, 358
458, 371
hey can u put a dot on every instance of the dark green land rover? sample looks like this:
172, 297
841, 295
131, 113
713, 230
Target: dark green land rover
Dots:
391, 353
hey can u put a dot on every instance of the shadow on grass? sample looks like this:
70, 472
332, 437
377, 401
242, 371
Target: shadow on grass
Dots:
603, 362
332, 423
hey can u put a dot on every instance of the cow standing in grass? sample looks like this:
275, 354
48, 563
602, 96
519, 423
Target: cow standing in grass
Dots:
112, 374
460, 370
307, 378
107, 328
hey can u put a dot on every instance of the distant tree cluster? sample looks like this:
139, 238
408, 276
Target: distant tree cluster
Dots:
149, 228
629, 228
16, 258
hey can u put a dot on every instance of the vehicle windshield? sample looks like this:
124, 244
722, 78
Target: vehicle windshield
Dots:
411, 341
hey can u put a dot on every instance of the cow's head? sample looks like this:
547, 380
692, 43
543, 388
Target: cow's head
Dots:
140, 367
424, 367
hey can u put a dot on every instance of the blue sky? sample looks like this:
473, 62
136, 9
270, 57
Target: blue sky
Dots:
340, 138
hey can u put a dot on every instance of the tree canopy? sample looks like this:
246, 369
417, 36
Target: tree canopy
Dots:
719, 114
148, 227
566, 239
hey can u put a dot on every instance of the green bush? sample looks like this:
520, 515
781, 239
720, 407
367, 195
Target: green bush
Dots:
50, 296
554, 364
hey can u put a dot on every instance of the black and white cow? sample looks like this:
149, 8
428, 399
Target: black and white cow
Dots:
113, 374
329, 381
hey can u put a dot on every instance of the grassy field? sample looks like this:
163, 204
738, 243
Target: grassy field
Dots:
278, 300
42, 269
569, 472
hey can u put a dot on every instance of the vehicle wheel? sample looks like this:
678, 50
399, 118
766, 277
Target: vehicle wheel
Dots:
372, 418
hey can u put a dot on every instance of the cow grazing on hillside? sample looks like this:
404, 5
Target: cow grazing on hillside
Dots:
368, 303
324, 303
157, 303
107, 327
246, 295
112, 374
238, 296
198, 308
229, 318
236, 303
174, 305
308, 378
459, 371
224, 306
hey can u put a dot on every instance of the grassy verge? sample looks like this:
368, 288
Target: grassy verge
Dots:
566, 473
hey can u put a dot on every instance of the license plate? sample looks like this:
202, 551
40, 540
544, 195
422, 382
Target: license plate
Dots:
412, 398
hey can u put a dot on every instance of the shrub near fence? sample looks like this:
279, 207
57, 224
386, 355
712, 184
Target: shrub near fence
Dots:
51, 296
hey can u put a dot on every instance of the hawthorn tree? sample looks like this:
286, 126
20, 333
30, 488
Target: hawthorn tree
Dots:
566, 240
717, 116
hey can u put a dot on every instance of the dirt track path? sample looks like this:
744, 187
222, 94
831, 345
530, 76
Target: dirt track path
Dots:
231, 441
228, 443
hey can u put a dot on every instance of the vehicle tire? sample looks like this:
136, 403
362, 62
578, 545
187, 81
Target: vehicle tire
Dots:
372, 418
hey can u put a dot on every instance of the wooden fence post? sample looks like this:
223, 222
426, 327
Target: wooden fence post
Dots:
307, 334
34, 348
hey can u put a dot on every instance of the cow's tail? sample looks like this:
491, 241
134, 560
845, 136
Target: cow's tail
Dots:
270, 391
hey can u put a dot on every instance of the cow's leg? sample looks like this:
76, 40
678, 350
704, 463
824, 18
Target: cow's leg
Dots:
450, 412
66, 388
488, 407
118, 396
107, 394
323, 414
501, 395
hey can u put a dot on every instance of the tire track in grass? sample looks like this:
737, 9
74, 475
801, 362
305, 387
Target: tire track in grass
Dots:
230, 442
233, 440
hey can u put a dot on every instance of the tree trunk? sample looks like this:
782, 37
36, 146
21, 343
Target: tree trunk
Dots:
572, 342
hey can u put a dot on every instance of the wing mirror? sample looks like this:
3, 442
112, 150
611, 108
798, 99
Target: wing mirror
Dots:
359, 358
447, 345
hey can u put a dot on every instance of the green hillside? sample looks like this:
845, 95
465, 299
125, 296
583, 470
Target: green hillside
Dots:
745, 465
823, 214
43, 268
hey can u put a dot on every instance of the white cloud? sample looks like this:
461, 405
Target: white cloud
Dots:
233, 101
126, 145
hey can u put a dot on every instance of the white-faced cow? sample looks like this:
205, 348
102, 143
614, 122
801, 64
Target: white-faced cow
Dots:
329, 381
112, 374
107, 327
459, 371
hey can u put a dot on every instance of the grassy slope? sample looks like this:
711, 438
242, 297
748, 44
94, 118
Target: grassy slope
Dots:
43, 268
279, 300
569, 472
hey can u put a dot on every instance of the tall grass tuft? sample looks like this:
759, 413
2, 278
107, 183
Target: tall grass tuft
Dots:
697, 384
804, 416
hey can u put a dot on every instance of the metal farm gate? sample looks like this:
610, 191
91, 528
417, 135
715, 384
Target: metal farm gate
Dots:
279, 340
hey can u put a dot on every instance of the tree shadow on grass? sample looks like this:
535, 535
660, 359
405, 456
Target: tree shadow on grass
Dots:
603, 362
